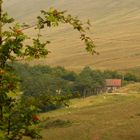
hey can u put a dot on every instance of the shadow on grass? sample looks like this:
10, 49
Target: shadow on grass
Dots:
46, 124
138, 114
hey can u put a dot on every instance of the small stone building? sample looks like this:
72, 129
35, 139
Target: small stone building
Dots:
113, 84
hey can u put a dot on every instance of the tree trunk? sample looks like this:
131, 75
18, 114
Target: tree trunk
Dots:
0, 22
1, 61
9, 125
1, 113
84, 93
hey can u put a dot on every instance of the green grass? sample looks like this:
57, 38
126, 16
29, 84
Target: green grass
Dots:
103, 117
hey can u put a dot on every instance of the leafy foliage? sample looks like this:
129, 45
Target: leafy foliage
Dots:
15, 113
44, 80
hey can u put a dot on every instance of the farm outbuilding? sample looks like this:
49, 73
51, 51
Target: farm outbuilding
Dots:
113, 84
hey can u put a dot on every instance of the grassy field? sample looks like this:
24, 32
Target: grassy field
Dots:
103, 117
115, 29
131, 88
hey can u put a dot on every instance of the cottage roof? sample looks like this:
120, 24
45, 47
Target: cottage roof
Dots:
113, 82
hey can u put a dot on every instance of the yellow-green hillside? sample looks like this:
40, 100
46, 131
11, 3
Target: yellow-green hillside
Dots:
130, 88
103, 117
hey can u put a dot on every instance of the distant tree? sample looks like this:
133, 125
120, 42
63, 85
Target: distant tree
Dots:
131, 77
70, 76
112, 74
89, 82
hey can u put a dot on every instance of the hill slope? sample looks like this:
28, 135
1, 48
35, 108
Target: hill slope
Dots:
103, 117
116, 32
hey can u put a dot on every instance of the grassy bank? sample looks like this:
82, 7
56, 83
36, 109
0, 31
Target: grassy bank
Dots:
103, 117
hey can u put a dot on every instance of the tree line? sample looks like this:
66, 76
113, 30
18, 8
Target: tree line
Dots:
39, 83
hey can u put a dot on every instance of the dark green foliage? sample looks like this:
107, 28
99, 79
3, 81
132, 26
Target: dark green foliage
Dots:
44, 80
108, 74
131, 77
89, 82
38, 76
57, 123
41, 89
48, 90
17, 120
70, 76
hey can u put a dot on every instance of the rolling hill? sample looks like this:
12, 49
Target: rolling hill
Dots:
103, 117
115, 29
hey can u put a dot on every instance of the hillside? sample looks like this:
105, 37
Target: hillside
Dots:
115, 29
103, 117
130, 88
